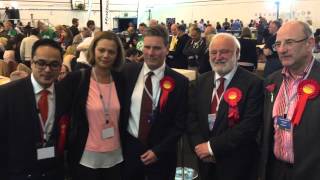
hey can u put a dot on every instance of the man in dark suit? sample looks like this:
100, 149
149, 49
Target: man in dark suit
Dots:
155, 112
290, 149
226, 114
31, 112
175, 58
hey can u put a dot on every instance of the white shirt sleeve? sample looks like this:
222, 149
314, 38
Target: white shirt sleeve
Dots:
210, 150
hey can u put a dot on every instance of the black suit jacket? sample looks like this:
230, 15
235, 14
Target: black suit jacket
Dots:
20, 132
176, 59
235, 148
169, 123
77, 91
306, 135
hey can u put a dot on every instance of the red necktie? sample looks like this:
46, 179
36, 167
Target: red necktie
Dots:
43, 105
146, 110
219, 92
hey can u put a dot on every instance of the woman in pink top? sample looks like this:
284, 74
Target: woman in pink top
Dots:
94, 149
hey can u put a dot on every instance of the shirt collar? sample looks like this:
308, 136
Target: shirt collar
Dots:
156, 72
37, 88
228, 76
286, 74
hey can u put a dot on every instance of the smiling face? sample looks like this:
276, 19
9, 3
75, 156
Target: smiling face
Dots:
105, 53
223, 55
46, 75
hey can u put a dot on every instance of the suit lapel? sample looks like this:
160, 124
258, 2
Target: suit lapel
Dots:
224, 107
207, 97
35, 120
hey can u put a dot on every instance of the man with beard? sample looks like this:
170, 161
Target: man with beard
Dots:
226, 114
154, 113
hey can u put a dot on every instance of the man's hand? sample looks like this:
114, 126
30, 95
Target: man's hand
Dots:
148, 157
202, 150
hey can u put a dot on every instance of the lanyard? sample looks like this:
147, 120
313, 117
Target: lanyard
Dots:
289, 100
153, 99
106, 108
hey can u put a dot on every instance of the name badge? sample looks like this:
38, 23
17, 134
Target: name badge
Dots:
45, 153
284, 123
107, 133
211, 120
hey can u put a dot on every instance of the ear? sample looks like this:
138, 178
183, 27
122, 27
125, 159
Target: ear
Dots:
238, 54
311, 43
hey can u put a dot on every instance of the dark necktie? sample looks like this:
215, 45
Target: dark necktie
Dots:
219, 92
43, 105
146, 111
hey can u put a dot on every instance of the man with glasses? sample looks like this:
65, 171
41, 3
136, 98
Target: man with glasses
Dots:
225, 115
291, 146
31, 109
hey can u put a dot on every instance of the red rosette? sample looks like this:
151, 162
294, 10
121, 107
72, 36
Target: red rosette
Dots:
307, 89
167, 85
271, 87
232, 96
63, 127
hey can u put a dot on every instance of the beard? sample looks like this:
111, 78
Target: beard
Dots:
225, 66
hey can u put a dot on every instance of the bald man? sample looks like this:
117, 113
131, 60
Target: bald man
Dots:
226, 114
291, 136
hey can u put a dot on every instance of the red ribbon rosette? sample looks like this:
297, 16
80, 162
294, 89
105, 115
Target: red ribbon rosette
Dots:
270, 88
167, 85
307, 89
63, 127
232, 96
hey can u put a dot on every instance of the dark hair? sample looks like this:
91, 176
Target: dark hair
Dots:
158, 31
74, 20
34, 31
181, 28
46, 42
143, 24
117, 65
90, 22
198, 30
131, 51
277, 23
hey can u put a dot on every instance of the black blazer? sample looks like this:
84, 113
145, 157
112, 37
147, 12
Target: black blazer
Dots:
176, 59
235, 149
78, 94
248, 51
306, 135
20, 132
169, 123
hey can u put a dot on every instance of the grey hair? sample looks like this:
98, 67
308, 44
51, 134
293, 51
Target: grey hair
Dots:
229, 36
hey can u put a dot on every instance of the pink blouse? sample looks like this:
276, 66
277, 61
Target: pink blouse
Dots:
97, 121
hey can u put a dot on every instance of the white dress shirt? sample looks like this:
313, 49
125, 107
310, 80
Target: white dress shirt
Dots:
227, 79
136, 98
37, 88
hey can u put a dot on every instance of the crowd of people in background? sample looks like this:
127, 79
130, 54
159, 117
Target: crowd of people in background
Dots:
188, 44
127, 108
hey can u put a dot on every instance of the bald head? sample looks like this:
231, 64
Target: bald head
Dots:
174, 29
294, 45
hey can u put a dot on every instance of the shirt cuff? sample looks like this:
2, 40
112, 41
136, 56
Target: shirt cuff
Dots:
210, 150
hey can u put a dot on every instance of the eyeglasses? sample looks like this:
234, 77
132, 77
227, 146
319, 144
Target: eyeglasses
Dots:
42, 64
287, 43
221, 52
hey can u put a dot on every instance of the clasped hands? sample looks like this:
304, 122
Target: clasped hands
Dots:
202, 151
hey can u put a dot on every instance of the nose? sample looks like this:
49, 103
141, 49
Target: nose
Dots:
47, 68
282, 48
